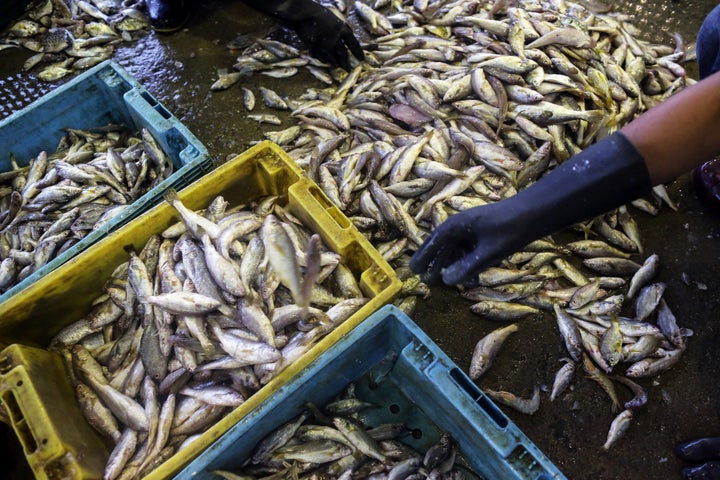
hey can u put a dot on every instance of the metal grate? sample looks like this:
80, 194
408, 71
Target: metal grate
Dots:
19, 90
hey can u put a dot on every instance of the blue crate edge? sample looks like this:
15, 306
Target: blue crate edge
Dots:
190, 161
514, 456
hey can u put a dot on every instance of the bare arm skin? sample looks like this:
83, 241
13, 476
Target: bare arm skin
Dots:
681, 132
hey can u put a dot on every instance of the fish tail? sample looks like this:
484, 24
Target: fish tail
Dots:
170, 195
593, 116
303, 298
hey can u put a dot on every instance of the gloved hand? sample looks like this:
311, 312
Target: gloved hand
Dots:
704, 453
605, 175
706, 179
327, 37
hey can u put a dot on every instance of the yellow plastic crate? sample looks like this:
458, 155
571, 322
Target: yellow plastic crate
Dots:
30, 320
57, 441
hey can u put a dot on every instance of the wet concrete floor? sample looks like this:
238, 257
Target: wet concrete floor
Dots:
178, 70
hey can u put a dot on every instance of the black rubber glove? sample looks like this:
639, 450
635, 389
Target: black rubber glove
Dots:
704, 453
604, 176
327, 37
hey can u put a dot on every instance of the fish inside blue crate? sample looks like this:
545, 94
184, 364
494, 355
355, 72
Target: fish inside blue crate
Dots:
53, 202
333, 441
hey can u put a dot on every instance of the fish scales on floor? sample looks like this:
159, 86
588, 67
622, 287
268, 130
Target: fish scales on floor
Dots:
69, 36
335, 441
208, 312
460, 104
49, 205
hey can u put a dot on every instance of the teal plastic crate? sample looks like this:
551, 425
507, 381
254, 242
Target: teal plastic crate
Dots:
395, 365
105, 94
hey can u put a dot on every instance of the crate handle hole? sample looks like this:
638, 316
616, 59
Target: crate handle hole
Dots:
19, 422
329, 207
165, 114
395, 408
464, 382
149, 99
416, 433
6, 364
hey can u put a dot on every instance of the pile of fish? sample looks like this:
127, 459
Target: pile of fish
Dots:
52, 203
335, 442
613, 349
69, 36
206, 313
461, 104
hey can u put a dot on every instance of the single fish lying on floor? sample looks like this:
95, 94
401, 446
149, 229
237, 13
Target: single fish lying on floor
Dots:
202, 317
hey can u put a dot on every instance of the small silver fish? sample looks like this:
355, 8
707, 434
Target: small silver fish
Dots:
226, 81
569, 332
648, 300
272, 99
618, 427
611, 343
522, 405
281, 254
487, 348
359, 438
650, 367
502, 310
563, 378
644, 274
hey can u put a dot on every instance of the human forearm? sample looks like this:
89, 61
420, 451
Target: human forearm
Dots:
679, 133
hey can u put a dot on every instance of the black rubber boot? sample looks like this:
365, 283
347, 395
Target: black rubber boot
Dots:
699, 449
704, 471
706, 178
168, 15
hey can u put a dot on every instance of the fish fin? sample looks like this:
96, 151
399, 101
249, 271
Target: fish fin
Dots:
594, 116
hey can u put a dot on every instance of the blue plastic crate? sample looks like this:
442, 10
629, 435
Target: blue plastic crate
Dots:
395, 365
105, 94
